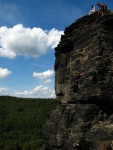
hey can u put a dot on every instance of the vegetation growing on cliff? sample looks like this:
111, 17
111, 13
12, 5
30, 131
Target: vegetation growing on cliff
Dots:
21, 122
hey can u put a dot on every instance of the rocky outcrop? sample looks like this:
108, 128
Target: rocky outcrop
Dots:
84, 119
87, 46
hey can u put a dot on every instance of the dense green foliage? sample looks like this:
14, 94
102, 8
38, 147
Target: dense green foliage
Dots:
21, 122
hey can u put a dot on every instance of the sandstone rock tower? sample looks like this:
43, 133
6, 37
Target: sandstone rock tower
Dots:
84, 119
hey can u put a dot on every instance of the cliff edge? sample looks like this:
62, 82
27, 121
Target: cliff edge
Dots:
84, 119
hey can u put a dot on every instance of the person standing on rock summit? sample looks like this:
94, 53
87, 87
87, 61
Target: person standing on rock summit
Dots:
103, 8
92, 10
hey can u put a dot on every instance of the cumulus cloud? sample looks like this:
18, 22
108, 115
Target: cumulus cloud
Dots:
28, 42
2, 91
54, 37
47, 81
38, 92
4, 72
44, 75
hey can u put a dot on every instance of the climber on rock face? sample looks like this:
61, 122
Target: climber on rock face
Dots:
103, 8
78, 76
92, 10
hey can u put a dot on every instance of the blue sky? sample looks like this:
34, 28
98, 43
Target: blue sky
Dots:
29, 31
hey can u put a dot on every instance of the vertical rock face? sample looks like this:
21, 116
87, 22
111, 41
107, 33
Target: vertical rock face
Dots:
84, 120
87, 46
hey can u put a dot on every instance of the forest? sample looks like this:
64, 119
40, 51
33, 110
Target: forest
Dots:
22, 120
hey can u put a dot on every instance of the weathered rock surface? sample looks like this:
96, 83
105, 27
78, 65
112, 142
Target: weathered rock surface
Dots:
86, 46
84, 119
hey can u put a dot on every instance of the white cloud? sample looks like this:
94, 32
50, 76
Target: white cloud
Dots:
38, 92
2, 91
4, 72
44, 75
54, 37
47, 81
28, 42
6, 53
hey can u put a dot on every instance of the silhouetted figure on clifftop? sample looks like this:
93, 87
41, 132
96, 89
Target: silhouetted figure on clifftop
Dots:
103, 8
